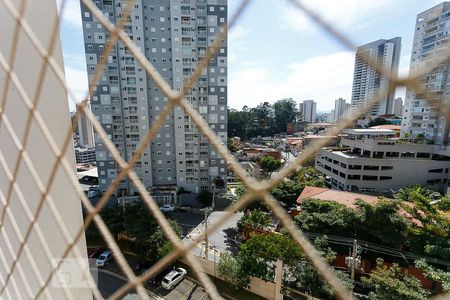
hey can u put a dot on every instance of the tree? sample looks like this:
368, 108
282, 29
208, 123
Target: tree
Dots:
135, 220
256, 218
378, 121
435, 274
379, 223
269, 164
289, 189
308, 280
230, 269
285, 111
389, 283
239, 122
205, 198
327, 217
433, 237
260, 252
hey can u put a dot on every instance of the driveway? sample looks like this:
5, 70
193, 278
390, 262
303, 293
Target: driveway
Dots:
186, 289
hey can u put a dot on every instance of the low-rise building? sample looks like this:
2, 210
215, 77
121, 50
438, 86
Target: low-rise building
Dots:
259, 152
375, 161
252, 169
84, 155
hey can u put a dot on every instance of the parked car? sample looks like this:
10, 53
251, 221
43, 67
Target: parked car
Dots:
184, 208
167, 208
173, 278
157, 279
104, 258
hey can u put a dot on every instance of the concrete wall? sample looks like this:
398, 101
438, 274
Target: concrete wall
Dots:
53, 107
257, 286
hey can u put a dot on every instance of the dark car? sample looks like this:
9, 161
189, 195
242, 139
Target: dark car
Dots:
184, 208
142, 266
156, 280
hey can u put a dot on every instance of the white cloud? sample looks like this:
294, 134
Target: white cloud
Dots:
237, 42
343, 14
322, 78
77, 82
72, 13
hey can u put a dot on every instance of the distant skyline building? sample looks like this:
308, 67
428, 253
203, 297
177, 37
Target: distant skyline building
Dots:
339, 108
308, 109
174, 36
330, 118
367, 82
85, 128
422, 113
397, 108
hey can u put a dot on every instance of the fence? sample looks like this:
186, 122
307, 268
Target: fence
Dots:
46, 52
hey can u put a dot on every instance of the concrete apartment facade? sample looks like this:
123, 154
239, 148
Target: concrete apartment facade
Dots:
174, 35
367, 82
397, 108
308, 111
421, 112
85, 129
374, 161
340, 108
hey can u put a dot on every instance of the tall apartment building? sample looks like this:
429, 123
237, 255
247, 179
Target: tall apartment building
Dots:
397, 108
85, 128
367, 82
421, 112
308, 109
339, 108
174, 36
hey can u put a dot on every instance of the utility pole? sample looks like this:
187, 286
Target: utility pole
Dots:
206, 234
353, 262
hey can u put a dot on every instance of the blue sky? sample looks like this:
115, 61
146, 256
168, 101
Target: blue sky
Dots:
276, 52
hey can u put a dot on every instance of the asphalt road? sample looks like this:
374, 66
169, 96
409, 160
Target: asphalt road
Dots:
108, 284
187, 220
186, 289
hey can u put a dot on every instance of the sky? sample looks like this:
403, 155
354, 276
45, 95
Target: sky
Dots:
276, 52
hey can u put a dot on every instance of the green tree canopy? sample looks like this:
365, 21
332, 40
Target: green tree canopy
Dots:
256, 218
269, 164
290, 188
285, 112
390, 283
379, 223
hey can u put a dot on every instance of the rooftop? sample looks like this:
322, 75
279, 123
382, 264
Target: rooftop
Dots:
369, 131
348, 199
388, 126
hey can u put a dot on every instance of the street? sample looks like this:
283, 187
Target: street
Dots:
108, 284
186, 289
288, 157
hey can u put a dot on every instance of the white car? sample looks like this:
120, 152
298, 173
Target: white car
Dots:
167, 208
173, 278
104, 258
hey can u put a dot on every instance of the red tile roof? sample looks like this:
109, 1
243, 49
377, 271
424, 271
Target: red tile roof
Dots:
348, 199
